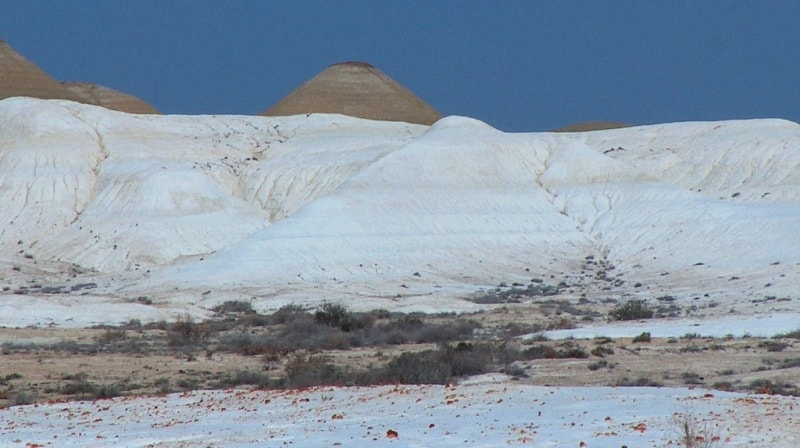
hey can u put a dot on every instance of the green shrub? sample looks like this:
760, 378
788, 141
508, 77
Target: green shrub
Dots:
514, 371
418, 368
338, 316
573, 352
438, 366
642, 381
235, 306
765, 386
543, 351
184, 332
726, 386
790, 335
540, 351
10, 377
21, 398
287, 314
602, 350
789, 363
691, 378
312, 370
598, 365
631, 310
86, 389
253, 345
773, 346
245, 377
644, 337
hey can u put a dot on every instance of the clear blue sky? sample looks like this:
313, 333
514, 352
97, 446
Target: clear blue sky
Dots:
518, 65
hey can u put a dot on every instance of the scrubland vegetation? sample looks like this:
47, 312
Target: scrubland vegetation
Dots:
332, 345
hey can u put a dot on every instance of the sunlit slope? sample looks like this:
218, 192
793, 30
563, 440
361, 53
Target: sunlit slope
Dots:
303, 204
460, 202
112, 191
468, 203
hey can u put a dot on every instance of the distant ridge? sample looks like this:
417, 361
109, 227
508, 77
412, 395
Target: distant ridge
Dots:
357, 89
21, 77
109, 98
592, 126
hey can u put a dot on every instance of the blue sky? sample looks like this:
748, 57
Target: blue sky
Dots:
518, 65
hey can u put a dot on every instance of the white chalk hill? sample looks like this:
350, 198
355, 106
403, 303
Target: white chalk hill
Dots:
326, 207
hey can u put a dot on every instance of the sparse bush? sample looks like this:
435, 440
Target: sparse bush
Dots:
560, 323
412, 329
773, 346
449, 332
573, 352
514, 371
694, 434
10, 377
111, 335
543, 351
447, 362
642, 381
765, 386
438, 366
598, 365
726, 386
254, 345
188, 383
21, 398
252, 320
418, 368
644, 337
163, 385
602, 350
304, 333
287, 314
338, 316
540, 351
790, 335
516, 294
600, 340
86, 389
692, 378
235, 306
691, 348
514, 329
184, 332
789, 363
631, 310
311, 370
245, 378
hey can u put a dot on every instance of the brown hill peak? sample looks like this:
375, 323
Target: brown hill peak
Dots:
21, 77
357, 89
109, 98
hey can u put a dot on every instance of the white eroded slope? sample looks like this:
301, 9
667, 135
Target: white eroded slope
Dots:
461, 198
468, 205
485, 413
111, 191
199, 209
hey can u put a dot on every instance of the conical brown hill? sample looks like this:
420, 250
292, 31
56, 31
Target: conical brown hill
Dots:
357, 89
21, 77
109, 98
